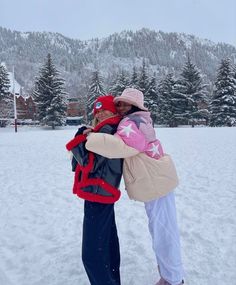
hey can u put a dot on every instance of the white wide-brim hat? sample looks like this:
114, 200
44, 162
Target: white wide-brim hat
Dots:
132, 96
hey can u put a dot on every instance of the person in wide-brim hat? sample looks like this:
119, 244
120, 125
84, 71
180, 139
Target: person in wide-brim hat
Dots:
136, 131
133, 97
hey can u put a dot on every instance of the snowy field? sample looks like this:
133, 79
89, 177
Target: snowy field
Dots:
41, 221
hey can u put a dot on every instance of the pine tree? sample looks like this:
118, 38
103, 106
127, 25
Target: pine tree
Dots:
96, 89
143, 82
49, 96
134, 82
234, 78
179, 103
223, 104
121, 82
191, 86
166, 106
6, 104
151, 98
4, 82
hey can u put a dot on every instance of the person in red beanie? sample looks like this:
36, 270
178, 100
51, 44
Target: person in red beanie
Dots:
96, 181
104, 107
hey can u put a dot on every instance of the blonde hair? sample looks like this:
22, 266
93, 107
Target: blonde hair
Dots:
94, 122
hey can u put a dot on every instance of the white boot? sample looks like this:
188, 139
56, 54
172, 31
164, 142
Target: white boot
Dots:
164, 282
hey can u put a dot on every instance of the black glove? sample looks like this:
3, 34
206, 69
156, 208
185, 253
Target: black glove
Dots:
80, 131
74, 161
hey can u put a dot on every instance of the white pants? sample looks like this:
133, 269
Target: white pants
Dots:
165, 237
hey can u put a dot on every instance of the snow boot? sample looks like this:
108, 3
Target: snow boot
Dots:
164, 282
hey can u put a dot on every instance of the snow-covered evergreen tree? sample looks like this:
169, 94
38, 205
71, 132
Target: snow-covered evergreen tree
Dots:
179, 103
6, 105
234, 77
134, 82
143, 82
151, 98
4, 82
121, 82
96, 89
223, 104
191, 86
166, 100
49, 96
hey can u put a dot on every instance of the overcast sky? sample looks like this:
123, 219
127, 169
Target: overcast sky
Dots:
86, 19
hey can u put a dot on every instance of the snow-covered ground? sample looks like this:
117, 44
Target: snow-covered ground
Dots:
41, 221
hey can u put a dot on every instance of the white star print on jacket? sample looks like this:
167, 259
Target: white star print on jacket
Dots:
127, 130
154, 149
136, 130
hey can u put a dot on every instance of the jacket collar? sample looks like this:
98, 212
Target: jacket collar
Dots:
110, 121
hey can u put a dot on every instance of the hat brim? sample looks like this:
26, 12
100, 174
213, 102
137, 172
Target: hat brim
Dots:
122, 99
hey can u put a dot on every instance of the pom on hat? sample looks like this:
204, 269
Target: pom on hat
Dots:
104, 103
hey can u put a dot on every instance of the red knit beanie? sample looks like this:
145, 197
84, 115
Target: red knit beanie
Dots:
104, 103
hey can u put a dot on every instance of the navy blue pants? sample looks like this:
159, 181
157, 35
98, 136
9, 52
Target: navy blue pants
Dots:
100, 245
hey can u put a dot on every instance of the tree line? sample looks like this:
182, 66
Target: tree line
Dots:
172, 101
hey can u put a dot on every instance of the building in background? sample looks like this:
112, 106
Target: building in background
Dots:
25, 106
75, 112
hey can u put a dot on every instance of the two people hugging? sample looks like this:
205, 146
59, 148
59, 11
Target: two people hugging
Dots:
122, 141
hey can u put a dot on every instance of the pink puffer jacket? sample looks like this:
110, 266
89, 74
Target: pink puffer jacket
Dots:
136, 130
145, 178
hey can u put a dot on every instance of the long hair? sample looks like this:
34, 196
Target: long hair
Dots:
133, 110
94, 122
